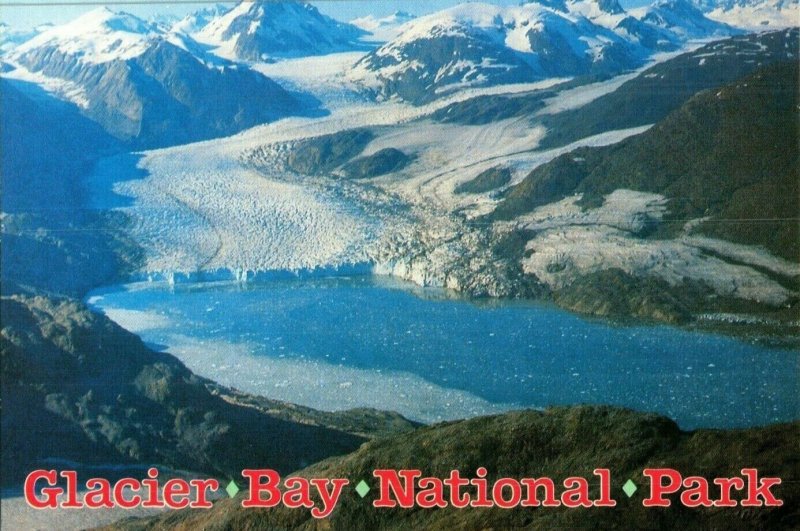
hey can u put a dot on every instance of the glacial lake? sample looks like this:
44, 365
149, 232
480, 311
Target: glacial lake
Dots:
340, 343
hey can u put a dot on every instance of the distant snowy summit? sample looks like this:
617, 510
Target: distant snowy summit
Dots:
262, 31
165, 81
250, 31
96, 37
475, 44
683, 19
753, 14
385, 28
198, 20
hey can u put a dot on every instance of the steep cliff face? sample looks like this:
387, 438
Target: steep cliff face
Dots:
149, 87
165, 95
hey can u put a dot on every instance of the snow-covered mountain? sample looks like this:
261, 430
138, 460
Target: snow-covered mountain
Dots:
385, 28
198, 20
148, 87
163, 21
260, 31
753, 14
483, 44
96, 37
683, 19
10, 38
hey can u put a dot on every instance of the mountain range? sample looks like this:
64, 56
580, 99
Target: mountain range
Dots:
158, 68
723, 149
478, 45
197, 20
10, 38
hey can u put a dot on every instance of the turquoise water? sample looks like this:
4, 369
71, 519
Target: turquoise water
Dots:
338, 343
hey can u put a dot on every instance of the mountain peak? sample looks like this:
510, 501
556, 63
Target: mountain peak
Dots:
385, 28
101, 12
479, 44
558, 5
196, 21
726, 5
595, 9
677, 6
113, 20
255, 31
682, 17
609, 6
97, 36
752, 14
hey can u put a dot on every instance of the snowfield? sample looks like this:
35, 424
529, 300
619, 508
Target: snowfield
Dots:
770, 14
571, 242
324, 77
98, 36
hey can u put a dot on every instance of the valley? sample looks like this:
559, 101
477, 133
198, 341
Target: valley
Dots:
281, 199
224, 229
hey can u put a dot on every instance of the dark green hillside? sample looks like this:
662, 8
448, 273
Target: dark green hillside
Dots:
323, 154
730, 153
486, 181
657, 91
557, 443
379, 163
487, 109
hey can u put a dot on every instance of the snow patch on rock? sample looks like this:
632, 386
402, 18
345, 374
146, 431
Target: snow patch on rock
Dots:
571, 242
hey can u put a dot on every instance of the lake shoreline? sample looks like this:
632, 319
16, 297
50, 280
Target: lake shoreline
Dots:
524, 364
